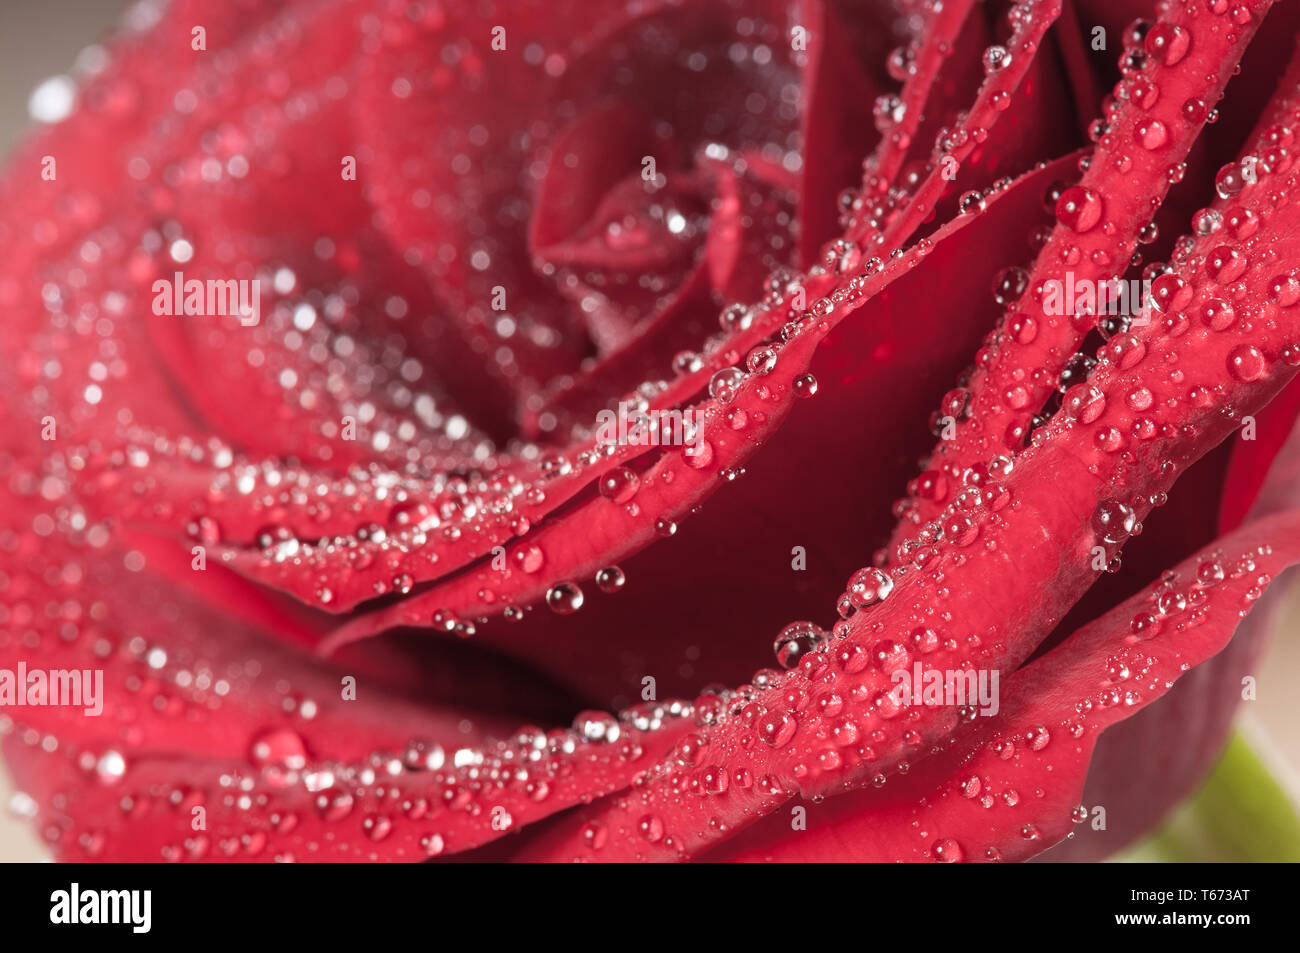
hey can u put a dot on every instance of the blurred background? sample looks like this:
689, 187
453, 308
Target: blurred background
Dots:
40, 39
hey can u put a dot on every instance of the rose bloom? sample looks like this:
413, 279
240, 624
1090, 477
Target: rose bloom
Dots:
315, 314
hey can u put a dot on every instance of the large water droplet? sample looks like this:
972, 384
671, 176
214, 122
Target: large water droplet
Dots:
1246, 363
564, 598
1112, 521
610, 579
795, 641
777, 728
724, 383
996, 59
947, 851
869, 586
619, 484
1079, 209
1167, 43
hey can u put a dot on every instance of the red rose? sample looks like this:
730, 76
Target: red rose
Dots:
362, 357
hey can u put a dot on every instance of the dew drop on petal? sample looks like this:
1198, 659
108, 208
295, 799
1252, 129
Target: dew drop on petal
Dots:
1112, 521
564, 598
1079, 209
610, 579
1246, 363
1167, 43
795, 641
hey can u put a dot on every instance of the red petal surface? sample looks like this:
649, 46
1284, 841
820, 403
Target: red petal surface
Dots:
1110, 456
1013, 783
1099, 221
391, 448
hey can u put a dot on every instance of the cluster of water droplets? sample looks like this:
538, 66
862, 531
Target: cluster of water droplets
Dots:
1112, 339
378, 793
869, 211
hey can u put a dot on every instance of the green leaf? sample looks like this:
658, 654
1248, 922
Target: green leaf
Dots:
1241, 813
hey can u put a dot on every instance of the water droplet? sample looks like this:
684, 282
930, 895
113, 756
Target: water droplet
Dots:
947, 851
901, 63
887, 111
869, 586
619, 484
1246, 363
1284, 290
761, 360
334, 804
377, 827
110, 767
1009, 284
777, 728
996, 59
735, 317
594, 835
598, 727
1079, 209
610, 579
530, 559
1218, 314
1207, 221
1229, 180
651, 828
280, 753
1151, 134
564, 598
725, 382
795, 641
1167, 43
1112, 521
1076, 371
1225, 264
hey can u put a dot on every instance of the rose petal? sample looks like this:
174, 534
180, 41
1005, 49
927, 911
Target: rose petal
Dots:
1124, 182
1013, 783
